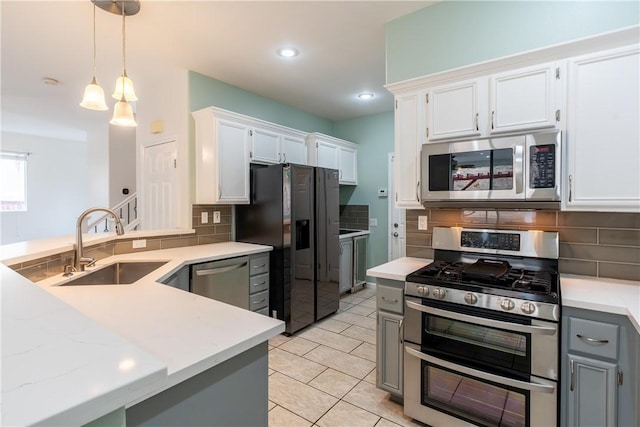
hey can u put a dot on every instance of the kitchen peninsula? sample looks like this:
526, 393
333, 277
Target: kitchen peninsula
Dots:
160, 352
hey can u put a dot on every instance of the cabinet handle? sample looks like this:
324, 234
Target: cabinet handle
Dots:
572, 374
340, 174
279, 158
219, 270
260, 302
401, 331
570, 186
493, 113
392, 301
260, 266
259, 284
592, 340
620, 378
418, 191
477, 125
284, 157
219, 192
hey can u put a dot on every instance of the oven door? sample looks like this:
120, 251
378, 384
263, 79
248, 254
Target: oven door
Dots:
474, 170
441, 393
500, 343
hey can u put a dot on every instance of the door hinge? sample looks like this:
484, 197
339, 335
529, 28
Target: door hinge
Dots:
620, 378
426, 96
316, 145
251, 154
175, 163
396, 104
558, 73
427, 130
250, 132
557, 115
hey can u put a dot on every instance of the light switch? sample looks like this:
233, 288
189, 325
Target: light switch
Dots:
422, 222
373, 222
216, 217
204, 217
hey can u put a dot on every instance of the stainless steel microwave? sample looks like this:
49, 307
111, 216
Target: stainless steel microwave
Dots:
521, 171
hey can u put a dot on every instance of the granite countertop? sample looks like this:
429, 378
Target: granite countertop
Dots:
181, 334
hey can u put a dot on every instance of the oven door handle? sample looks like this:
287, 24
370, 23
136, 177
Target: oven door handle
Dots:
523, 385
515, 327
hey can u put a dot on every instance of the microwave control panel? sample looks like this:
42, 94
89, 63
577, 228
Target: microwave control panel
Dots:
542, 164
490, 240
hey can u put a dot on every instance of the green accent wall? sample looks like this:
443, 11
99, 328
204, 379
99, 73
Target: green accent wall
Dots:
374, 136
207, 92
452, 34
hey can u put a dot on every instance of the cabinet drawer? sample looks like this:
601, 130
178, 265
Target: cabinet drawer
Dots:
259, 301
390, 299
259, 265
595, 338
258, 283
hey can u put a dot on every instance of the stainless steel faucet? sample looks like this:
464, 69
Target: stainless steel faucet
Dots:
80, 260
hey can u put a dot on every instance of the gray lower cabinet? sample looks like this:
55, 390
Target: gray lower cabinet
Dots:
259, 283
600, 369
390, 351
346, 265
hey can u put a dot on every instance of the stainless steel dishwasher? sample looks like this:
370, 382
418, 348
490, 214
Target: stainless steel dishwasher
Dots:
226, 281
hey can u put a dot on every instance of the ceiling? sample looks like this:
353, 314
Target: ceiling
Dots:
341, 44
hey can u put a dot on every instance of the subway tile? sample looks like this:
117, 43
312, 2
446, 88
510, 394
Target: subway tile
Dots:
420, 238
125, 247
599, 219
43, 260
213, 238
619, 237
222, 229
619, 271
600, 253
205, 229
446, 216
178, 242
412, 214
571, 266
34, 273
479, 217
578, 235
102, 251
419, 252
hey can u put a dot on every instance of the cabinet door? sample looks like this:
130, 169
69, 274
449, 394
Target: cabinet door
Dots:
294, 150
346, 265
592, 392
523, 99
348, 162
265, 146
360, 259
327, 155
407, 145
389, 360
603, 130
453, 110
232, 162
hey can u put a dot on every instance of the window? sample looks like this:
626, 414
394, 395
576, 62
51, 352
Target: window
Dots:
13, 181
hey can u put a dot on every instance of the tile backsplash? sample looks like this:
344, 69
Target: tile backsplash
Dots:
591, 243
354, 217
42, 268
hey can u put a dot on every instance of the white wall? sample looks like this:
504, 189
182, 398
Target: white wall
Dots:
57, 188
98, 170
165, 96
122, 163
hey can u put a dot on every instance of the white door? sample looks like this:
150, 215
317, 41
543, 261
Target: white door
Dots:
159, 198
396, 226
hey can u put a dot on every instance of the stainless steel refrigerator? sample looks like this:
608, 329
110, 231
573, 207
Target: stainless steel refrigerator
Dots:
295, 209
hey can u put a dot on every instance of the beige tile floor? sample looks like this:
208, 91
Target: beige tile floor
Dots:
325, 375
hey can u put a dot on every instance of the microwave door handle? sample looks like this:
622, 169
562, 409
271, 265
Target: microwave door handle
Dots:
523, 385
518, 167
515, 327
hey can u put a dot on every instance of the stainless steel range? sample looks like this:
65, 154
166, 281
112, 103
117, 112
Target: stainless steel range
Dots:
481, 330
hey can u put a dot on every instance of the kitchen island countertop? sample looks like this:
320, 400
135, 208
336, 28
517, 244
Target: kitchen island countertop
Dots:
398, 269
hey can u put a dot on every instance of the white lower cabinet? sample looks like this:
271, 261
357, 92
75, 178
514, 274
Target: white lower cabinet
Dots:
221, 159
603, 132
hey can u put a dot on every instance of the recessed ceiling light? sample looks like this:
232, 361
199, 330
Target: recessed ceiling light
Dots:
365, 96
50, 81
288, 52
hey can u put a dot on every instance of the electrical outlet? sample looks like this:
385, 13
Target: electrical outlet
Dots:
216, 217
422, 222
204, 217
137, 244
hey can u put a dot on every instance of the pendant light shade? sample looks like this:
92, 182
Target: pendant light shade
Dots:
123, 114
93, 98
129, 92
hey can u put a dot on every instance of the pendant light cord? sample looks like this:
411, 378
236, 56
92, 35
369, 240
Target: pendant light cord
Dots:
94, 41
124, 56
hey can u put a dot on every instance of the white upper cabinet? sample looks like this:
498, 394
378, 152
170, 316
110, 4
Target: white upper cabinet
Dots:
603, 132
524, 98
221, 159
408, 142
265, 146
454, 109
294, 149
329, 152
511, 101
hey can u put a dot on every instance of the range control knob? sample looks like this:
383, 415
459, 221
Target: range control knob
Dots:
507, 304
528, 307
423, 290
470, 298
439, 293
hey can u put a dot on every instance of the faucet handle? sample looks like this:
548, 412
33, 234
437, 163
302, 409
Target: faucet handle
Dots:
68, 270
92, 262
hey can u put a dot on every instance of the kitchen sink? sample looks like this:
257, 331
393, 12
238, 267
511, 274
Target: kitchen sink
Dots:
119, 273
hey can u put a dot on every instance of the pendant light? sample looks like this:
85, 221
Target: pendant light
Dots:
93, 98
122, 112
124, 85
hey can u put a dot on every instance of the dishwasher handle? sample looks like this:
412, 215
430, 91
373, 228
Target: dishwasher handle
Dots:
220, 270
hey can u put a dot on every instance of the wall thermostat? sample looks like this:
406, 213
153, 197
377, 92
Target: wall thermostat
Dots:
382, 192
